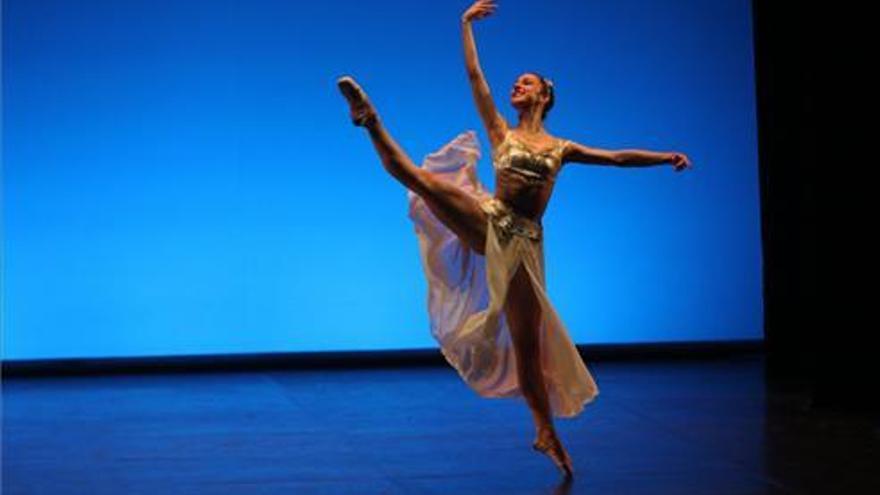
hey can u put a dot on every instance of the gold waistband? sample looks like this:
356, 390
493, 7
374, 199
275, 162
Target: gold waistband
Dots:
509, 222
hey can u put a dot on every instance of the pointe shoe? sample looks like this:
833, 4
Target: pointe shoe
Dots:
552, 448
362, 112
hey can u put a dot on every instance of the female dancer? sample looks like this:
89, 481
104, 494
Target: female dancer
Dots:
483, 254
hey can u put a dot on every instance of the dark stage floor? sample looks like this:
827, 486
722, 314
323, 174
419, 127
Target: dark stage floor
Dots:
708, 427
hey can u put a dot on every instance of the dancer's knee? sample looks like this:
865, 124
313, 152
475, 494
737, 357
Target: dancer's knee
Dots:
450, 206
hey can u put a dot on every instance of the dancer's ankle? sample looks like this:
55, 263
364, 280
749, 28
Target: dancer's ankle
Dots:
371, 121
545, 429
373, 125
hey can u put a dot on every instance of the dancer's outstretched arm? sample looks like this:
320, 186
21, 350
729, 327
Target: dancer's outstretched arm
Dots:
495, 124
579, 153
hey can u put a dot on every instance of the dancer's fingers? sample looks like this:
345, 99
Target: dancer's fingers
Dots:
480, 10
482, 4
476, 10
680, 161
685, 162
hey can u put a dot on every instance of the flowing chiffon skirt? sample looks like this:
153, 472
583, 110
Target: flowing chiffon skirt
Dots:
466, 291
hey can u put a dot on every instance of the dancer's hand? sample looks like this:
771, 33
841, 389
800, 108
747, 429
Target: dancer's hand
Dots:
679, 161
479, 10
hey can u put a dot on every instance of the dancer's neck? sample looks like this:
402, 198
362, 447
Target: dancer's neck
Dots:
530, 122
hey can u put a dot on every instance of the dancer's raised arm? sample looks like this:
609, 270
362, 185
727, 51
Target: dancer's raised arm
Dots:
579, 153
495, 124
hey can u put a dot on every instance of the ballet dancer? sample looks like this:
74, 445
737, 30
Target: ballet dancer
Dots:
483, 253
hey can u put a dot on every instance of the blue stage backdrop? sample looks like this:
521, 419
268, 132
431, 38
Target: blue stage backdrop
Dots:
181, 177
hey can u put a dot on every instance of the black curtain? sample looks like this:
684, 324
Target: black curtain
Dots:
817, 335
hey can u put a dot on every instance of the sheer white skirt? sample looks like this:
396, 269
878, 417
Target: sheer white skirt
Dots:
466, 292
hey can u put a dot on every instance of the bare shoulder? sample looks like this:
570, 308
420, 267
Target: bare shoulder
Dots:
562, 146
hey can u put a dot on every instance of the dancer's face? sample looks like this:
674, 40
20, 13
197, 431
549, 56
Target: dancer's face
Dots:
528, 92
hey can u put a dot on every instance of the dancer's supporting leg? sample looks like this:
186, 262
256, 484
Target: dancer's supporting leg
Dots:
452, 206
523, 313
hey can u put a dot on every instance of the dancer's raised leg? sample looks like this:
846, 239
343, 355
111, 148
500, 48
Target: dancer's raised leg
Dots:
456, 209
523, 313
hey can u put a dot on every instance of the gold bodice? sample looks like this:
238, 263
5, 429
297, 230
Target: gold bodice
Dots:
525, 178
535, 167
